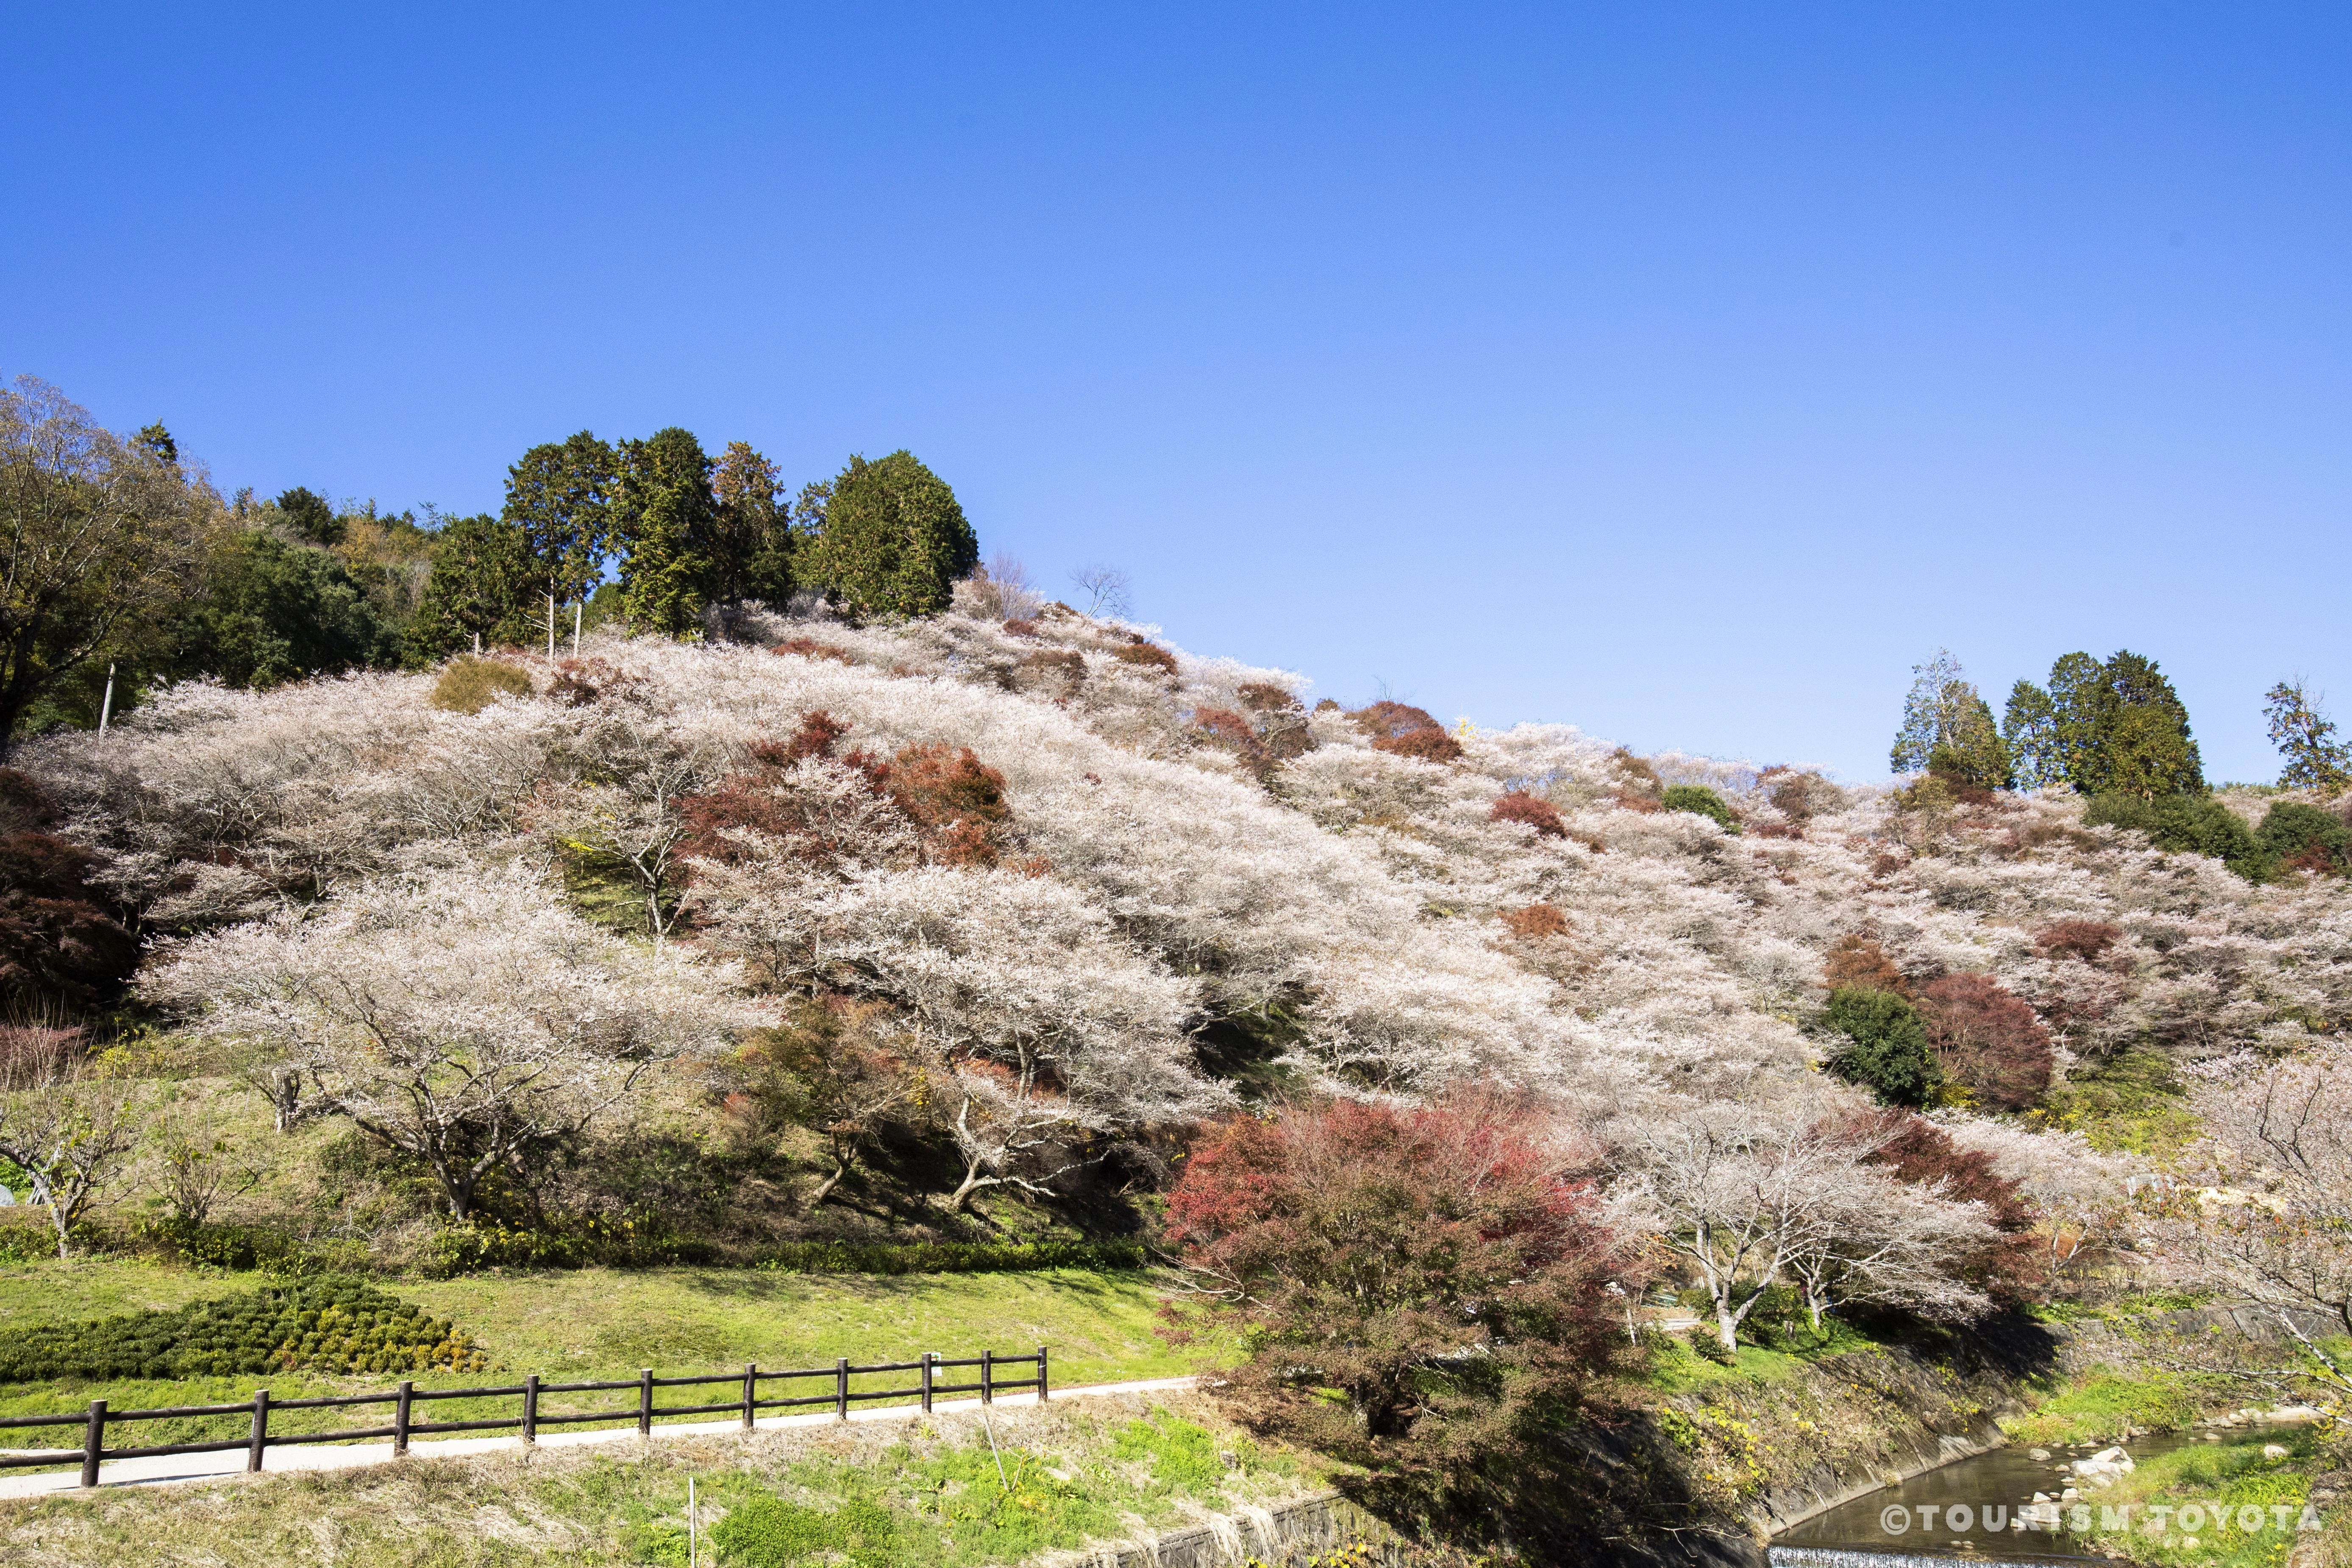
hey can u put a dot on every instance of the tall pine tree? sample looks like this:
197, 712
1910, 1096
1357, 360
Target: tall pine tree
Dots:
750, 553
890, 539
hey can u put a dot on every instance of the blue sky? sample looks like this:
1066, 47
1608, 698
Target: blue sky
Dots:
1686, 373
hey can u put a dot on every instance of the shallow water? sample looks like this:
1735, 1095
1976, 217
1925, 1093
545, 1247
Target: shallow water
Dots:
1894, 1526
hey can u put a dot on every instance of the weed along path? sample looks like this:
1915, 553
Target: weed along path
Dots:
163, 1469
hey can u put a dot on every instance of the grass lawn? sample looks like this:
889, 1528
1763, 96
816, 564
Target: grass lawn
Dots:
2103, 1407
2231, 1475
901, 1494
576, 1326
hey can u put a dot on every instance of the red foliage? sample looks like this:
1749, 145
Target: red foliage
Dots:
1145, 654
1920, 1153
1988, 1039
2086, 939
753, 800
1228, 730
1536, 920
809, 648
580, 681
1522, 807
957, 803
1859, 963
1020, 629
59, 944
1370, 1246
1263, 696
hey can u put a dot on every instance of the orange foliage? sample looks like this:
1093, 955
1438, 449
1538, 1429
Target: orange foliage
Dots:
1536, 920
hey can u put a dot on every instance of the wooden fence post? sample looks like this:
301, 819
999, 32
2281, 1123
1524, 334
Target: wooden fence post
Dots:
1042, 1384
751, 1391
400, 1419
646, 1403
260, 1438
926, 1381
531, 1408
987, 1377
841, 1388
93, 1442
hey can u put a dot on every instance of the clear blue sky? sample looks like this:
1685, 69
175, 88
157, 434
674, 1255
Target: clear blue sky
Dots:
1685, 373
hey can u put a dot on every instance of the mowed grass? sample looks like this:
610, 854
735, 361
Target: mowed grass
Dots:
1084, 1470
605, 1324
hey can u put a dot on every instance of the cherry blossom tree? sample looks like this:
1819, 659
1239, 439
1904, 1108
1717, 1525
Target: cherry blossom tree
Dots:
464, 1018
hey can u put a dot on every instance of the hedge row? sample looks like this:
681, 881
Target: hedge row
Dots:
328, 1325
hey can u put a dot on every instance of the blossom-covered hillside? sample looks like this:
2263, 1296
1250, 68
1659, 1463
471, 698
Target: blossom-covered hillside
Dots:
1064, 886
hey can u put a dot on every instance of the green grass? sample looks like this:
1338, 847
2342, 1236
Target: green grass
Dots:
2103, 1407
2231, 1473
907, 1494
605, 1324
1675, 1368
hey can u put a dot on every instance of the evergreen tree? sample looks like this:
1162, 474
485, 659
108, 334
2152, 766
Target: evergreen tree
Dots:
482, 585
561, 496
309, 516
2107, 728
664, 515
1885, 1046
2305, 737
890, 539
157, 442
751, 536
273, 612
1947, 729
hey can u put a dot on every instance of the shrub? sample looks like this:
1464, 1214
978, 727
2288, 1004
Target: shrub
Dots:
468, 685
1988, 1040
1885, 1047
2187, 825
2086, 939
1145, 656
2306, 837
335, 1325
1263, 696
1536, 920
1020, 626
1430, 1269
1522, 807
809, 648
1700, 801
769, 1532
1858, 964
958, 804
1405, 730
1707, 1345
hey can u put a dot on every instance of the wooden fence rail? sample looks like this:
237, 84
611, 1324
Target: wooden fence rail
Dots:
746, 1401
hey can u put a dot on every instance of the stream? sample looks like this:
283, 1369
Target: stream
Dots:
1884, 1528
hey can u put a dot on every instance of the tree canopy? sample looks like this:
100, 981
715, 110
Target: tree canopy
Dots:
890, 539
2111, 728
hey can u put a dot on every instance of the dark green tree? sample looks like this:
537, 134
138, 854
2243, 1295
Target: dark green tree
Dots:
310, 517
274, 611
2112, 728
157, 442
890, 539
663, 518
483, 585
1885, 1046
2305, 737
560, 494
750, 553
1700, 801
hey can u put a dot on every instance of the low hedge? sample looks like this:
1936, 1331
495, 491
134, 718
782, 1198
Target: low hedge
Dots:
335, 1325
953, 1256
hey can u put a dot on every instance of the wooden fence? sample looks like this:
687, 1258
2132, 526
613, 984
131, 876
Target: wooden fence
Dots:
407, 1396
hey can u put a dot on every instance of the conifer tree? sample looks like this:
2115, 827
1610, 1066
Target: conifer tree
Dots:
481, 586
2112, 728
561, 496
750, 537
890, 539
664, 515
1947, 729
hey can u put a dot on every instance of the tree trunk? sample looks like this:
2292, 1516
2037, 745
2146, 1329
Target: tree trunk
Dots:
960, 1203
551, 626
824, 1189
1727, 1324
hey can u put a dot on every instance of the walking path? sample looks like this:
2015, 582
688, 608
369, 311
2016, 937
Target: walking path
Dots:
345, 1457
